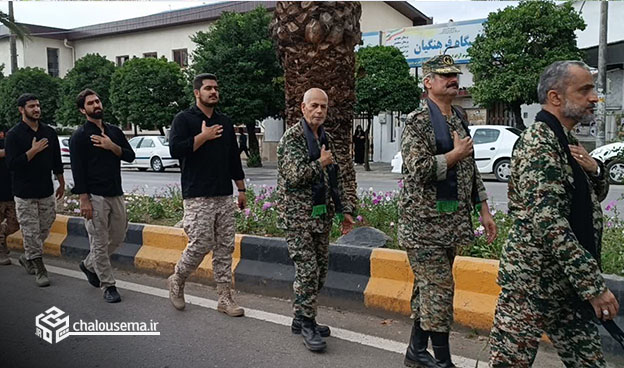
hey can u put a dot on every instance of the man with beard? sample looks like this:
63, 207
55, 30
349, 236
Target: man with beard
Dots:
32, 154
442, 188
550, 266
310, 192
96, 150
205, 143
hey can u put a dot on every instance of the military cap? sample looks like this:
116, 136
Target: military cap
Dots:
441, 64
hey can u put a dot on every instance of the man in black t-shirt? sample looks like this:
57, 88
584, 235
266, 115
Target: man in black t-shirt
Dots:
8, 218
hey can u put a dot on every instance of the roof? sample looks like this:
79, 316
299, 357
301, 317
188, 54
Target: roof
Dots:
40, 31
197, 14
615, 55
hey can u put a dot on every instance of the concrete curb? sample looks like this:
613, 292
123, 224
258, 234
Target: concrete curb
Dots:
358, 277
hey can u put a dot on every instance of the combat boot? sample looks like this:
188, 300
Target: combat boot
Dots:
311, 337
295, 327
41, 274
441, 349
176, 291
417, 355
226, 304
28, 265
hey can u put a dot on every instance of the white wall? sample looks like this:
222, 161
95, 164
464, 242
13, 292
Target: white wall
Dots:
591, 15
377, 16
384, 148
162, 41
35, 53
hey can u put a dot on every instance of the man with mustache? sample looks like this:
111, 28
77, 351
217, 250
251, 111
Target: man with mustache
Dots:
32, 154
96, 150
204, 141
310, 193
442, 188
550, 265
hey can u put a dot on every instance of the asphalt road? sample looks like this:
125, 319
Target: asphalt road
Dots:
199, 336
380, 179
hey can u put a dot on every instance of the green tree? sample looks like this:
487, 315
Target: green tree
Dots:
148, 93
90, 71
383, 83
28, 80
240, 51
516, 45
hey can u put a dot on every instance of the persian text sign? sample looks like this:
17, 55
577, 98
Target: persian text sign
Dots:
421, 43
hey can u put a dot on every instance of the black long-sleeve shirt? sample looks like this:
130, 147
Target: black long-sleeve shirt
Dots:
97, 170
209, 171
6, 193
32, 179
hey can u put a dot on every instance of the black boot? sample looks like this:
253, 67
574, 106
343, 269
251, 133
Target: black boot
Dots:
417, 355
295, 327
311, 337
441, 349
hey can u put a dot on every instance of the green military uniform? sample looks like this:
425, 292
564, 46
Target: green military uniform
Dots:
543, 268
307, 236
430, 236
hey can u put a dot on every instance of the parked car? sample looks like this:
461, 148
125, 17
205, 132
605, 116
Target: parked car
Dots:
64, 144
612, 156
492, 149
151, 152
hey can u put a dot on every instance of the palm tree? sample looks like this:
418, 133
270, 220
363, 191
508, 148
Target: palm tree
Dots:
316, 42
15, 30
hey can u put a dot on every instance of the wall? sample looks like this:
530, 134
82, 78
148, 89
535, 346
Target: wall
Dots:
377, 15
161, 41
591, 15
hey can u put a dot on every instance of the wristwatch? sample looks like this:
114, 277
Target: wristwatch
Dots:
598, 172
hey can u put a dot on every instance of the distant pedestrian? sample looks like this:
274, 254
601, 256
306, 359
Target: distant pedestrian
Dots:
359, 144
96, 151
8, 217
33, 154
242, 142
204, 141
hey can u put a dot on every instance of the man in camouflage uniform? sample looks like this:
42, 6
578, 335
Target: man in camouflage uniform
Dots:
310, 192
205, 143
8, 218
437, 155
33, 153
545, 270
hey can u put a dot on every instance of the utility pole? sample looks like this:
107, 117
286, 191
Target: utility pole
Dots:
601, 115
12, 40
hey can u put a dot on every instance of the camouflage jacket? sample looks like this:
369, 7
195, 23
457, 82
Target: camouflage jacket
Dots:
295, 177
542, 256
420, 224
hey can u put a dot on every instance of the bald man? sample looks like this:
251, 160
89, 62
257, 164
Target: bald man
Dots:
310, 193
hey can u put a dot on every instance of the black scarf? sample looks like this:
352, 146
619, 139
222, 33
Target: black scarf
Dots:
580, 218
446, 190
318, 189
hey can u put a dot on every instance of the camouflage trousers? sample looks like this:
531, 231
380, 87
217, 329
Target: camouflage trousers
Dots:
310, 253
432, 298
520, 321
210, 226
107, 230
8, 223
35, 217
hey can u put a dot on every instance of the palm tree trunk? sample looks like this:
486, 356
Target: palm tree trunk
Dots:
316, 42
12, 41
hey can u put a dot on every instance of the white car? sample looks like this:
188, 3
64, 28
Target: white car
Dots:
151, 152
492, 149
612, 156
64, 144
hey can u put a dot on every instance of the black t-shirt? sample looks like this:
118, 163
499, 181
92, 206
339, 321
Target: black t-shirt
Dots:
6, 194
209, 171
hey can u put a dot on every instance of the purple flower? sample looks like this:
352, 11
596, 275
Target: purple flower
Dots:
246, 211
359, 218
375, 201
609, 224
611, 205
400, 183
266, 206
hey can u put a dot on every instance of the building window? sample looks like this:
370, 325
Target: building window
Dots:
53, 62
180, 56
150, 55
121, 60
